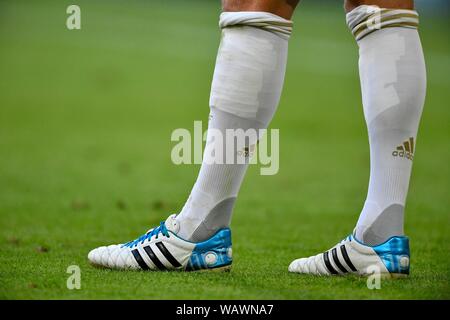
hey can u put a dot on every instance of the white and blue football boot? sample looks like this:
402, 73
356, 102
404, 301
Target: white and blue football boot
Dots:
161, 249
390, 259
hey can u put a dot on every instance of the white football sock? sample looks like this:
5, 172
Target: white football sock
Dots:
245, 92
393, 81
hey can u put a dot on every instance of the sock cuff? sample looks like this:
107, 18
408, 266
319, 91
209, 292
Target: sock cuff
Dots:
263, 20
365, 19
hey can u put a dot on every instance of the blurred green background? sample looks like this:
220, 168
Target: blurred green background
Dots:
85, 123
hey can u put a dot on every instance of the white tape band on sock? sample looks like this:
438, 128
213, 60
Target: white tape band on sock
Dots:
263, 20
364, 20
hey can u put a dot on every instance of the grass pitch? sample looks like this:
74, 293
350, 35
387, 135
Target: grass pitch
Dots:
85, 124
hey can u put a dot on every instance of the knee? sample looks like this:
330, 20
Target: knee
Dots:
283, 8
349, 5
234, 5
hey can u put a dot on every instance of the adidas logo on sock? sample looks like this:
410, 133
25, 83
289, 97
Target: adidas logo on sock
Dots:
406, 150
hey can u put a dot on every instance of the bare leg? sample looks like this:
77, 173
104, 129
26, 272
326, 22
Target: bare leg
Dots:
388, 4
283, 8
